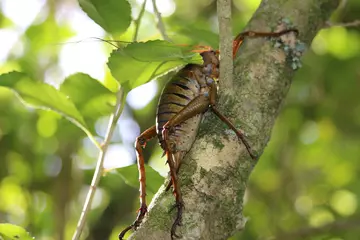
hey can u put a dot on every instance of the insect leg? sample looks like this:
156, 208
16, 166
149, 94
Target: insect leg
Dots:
139, 144
177, 193
196, 106
239, 134
178, 157
241, 36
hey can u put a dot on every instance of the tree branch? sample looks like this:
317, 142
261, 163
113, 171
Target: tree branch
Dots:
214, 173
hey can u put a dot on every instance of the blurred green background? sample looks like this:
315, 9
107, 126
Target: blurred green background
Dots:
307, 176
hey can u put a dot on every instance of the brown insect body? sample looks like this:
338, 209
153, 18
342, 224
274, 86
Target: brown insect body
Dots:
185, 86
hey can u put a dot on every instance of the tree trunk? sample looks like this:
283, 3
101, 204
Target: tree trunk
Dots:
214, 173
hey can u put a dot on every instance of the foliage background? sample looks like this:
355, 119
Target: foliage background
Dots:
306, 178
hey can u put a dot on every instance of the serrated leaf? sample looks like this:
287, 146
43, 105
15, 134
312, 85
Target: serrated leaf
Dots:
13, 232
114, 16
130, 175
138, 63
41, 95
90, 96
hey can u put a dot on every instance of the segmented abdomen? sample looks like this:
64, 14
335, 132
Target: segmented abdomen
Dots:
177, 93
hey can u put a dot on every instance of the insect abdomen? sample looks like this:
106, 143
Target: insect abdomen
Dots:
175, 96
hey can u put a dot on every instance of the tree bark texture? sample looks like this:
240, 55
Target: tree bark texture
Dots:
214, 173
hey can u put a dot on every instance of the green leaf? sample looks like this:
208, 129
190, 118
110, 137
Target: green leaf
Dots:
89, 95
138, 63
112, 15
13, 232
130, 175
44, 96
41, 95
39, 36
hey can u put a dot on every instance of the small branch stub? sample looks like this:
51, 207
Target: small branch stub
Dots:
225, 44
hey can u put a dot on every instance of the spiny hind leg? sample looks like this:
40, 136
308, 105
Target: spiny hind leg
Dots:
196, 106
178, 161
179, 203
140, 143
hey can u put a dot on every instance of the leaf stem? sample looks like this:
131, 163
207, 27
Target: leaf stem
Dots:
138, 21
330, 24
345, 225
92, 138
99, 166
225, 43
160, 23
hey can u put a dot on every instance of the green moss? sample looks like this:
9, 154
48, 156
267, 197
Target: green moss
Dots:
202, 172
186, 180
160, 215
217, 143
210, 126
228, 221
228, 102
187, 170
216, 128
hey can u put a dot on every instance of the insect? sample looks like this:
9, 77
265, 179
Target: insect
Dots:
184, 100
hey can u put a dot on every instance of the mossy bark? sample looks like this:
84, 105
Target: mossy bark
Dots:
214, 173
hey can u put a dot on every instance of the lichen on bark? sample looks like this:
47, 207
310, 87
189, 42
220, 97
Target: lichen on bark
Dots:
213, 179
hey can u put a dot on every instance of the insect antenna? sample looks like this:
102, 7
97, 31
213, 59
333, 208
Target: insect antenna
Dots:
111, 42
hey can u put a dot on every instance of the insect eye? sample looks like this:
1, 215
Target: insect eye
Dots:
207, 69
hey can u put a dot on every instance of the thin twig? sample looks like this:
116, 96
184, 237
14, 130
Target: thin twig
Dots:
99, 166
138, 21
342, 5
225, 46
160, 23
339, 225
355, 23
